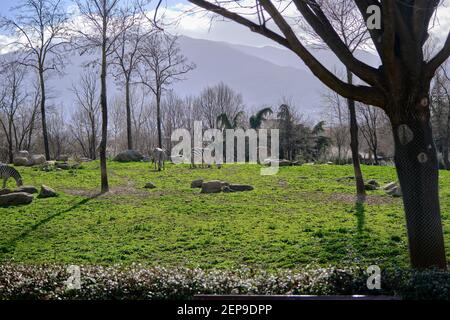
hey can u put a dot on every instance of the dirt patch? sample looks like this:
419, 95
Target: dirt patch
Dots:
370, 199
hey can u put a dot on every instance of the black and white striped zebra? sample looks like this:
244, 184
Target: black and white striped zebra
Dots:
158, 157
7, 172
198, 157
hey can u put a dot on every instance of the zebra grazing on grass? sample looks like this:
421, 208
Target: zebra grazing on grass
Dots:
7, 172
158, 157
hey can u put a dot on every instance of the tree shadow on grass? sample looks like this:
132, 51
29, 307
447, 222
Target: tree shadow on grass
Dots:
360, 217
11, 244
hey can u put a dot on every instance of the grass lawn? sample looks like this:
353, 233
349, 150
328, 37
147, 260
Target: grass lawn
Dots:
301, 216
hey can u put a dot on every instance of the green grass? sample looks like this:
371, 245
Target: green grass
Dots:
301, 216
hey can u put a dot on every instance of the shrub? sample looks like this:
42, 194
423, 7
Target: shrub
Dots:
137, 282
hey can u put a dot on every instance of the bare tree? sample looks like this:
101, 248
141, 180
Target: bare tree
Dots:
86, 118
345, 19
101, 28
39, 27
218, 100
162, 64
126, 59
11, 98
371, 118
338, 124
400, 86
440, 113
58, 133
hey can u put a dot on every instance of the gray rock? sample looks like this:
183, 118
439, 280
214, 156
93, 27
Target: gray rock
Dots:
27, 189
20, 161
38, 159
149, 185
213, 186
47, 192
373, 182
370, 187
23, 154
129, 156
63, 165
227, 189
395, 192
5, 191
389, 186
197, 183
15, 198
63, 158
239, 187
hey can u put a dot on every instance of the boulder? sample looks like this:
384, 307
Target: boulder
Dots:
197, 183
15, 198
395, 192
389, 186
47, 192
5, 191
38, 159
129, 156
237, 188
63, 158
23, 154
27, 189
63, 165
213, 186
20, 161
149, 185
370, 187
373, 182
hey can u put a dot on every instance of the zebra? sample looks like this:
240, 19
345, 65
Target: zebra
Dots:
158, 157
198, 152
7, 172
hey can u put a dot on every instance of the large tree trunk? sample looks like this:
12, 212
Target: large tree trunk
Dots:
158, 117
43, 115
354, 146
103, 142
417, 168
128, 107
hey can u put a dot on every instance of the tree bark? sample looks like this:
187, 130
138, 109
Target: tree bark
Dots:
128, 107
43, 114
104, 107
158, 117
417, 168
354, 145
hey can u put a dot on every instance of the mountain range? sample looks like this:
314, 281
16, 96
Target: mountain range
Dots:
263, 75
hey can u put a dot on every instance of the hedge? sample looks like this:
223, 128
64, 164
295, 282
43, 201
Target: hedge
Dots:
137, 282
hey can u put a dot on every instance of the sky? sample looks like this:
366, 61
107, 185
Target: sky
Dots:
197, 25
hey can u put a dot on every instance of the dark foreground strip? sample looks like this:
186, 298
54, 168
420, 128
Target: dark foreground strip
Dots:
295, 297
222, 309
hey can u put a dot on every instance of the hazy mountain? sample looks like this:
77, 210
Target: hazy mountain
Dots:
263, 75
